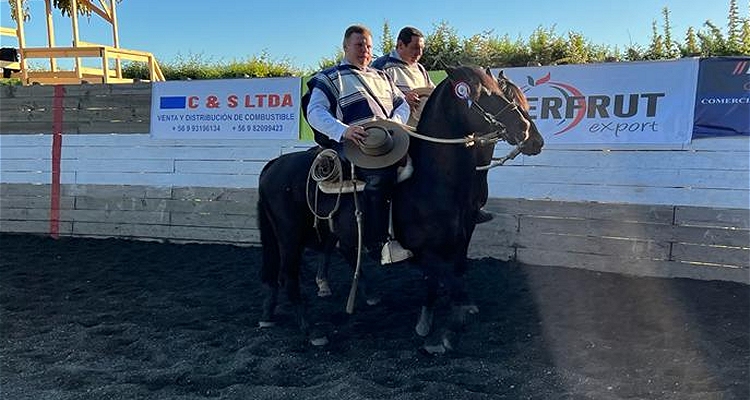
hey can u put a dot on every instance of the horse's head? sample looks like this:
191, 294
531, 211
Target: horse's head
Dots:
533, 144
493, 111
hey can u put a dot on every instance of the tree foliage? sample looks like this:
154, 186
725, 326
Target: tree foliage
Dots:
444, 46
547, 47
386, 39
195, 66
65, 7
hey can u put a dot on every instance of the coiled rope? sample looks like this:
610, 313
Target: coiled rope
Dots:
325, 167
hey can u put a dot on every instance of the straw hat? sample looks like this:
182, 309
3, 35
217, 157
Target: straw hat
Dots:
386, 143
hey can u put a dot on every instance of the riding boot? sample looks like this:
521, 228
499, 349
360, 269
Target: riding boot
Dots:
375, 231
380, 247
483, 216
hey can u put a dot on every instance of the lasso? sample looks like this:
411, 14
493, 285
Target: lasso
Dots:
326, 167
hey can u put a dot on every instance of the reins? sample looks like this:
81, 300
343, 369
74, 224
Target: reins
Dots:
482, 140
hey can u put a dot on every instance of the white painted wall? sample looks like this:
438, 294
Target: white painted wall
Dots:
707, 172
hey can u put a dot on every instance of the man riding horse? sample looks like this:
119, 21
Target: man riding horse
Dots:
345, 103
433, 211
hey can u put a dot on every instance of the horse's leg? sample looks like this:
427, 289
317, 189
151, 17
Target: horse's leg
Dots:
462, 308
451, 275
267, 320
291, 261
269, 273
324, 264
432, 283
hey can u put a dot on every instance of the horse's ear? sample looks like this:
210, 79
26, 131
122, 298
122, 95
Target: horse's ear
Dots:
501, 74
445, 66
449, 70
488, 71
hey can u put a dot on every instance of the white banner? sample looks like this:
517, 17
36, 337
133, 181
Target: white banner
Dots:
263, 108
609, 105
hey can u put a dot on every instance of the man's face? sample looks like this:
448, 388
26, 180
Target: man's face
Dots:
411, 52
358, 50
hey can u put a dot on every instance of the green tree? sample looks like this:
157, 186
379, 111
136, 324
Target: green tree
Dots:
546, 46
503, 52
691, 44
745, 38
443, 47
578, 51
386, 39
712, 42
656, 49
332, 60
671, 49
734, 27
476, 50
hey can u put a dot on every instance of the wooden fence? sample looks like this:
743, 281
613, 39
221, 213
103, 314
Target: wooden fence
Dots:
680, 213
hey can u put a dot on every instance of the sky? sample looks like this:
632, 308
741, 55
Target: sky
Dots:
305, 32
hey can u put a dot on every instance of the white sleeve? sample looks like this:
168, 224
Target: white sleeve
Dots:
319, 117
401, 113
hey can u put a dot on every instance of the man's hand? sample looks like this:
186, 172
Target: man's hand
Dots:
412, 98
355, 133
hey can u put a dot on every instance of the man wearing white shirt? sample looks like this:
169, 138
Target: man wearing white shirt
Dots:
402, 64
342, 99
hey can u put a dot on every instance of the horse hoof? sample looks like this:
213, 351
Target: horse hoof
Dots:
422, 329
434, 350
424, 324
448, 339
324, 290
317, 342
266, 324
373, 301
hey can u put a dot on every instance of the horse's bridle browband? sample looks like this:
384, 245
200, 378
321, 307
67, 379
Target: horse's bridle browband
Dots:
492, 119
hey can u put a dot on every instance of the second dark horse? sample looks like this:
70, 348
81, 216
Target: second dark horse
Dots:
433, 211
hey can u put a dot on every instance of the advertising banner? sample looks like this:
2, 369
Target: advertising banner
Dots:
722, 105
263, 108
611, 105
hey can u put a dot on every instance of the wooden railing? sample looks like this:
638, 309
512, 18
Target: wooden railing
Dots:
103, 74
7, 31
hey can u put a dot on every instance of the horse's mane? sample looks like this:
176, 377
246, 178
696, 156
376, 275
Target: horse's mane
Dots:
515, 94
487, 80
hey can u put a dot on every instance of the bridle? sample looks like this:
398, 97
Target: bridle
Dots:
499, 133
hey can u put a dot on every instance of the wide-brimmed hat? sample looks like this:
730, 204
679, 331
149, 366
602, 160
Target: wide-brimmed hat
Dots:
386, 143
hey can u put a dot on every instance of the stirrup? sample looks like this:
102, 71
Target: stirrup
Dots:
393, 252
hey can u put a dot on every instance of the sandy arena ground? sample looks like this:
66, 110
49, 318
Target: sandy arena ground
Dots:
113, 319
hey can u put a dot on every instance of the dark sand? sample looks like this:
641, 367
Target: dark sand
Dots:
111, 319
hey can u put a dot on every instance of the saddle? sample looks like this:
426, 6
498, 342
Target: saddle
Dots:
349, 186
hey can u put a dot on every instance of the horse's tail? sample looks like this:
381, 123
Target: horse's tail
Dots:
269, 272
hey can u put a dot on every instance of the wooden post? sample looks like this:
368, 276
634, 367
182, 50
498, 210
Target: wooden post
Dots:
74, 18
50, 33
21, 41
115, 36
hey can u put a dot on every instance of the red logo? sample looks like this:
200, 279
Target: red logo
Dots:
572, 95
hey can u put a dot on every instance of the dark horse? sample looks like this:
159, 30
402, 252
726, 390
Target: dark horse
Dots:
433, 211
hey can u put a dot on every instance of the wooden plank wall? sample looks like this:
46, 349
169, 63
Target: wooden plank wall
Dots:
654, 240
122, 108
678, 212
